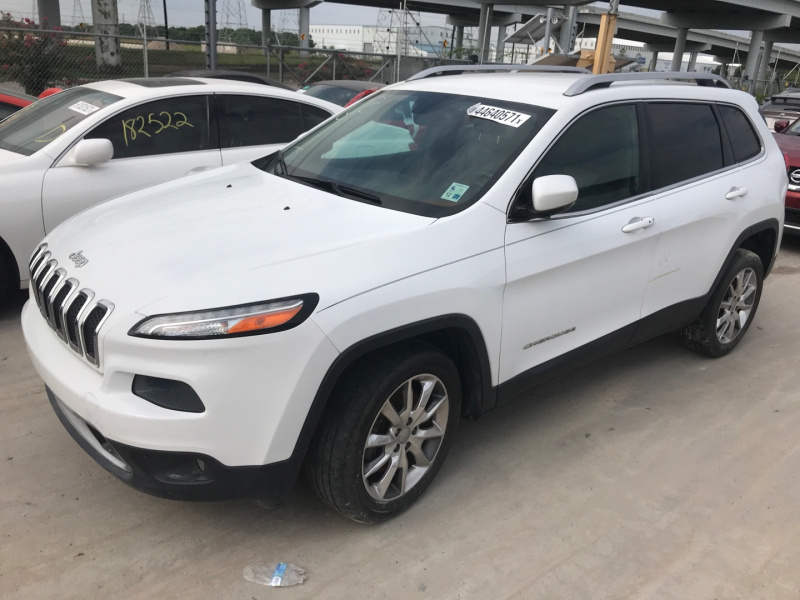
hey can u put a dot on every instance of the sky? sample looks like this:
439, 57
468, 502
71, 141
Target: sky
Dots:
190, 13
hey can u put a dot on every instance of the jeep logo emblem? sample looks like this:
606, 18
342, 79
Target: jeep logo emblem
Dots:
78, 258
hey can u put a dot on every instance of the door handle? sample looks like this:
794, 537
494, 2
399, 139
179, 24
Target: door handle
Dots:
636, 223
736, 192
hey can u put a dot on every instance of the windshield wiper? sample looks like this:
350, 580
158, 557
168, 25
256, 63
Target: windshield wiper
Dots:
338, 189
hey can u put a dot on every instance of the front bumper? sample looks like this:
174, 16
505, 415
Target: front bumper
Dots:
178, 475
256, 392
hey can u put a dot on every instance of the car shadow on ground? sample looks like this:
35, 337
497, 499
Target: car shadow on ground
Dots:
11, 307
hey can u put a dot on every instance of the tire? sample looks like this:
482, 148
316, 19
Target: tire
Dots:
374, 452
731, 308
4, 282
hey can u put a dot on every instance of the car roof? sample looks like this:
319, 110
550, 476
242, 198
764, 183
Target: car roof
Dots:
153, 87
557, 89
530, 88
231, 75
351, 84
17, 95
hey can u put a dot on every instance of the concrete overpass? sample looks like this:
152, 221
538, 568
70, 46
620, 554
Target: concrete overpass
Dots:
686, 25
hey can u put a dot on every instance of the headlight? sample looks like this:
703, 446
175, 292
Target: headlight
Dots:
231, 321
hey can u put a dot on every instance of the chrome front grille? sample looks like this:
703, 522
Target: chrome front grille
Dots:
71, 311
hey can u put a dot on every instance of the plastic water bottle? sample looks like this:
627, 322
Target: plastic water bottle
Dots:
274, 574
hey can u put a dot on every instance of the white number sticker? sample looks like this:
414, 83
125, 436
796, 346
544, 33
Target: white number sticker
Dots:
504, 116
84, 108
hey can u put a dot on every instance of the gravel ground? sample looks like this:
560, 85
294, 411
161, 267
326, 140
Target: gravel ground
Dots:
654, 473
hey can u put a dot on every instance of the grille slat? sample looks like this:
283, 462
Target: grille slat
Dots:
71, 312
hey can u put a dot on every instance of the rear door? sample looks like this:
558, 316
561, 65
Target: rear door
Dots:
153, 142
705, 187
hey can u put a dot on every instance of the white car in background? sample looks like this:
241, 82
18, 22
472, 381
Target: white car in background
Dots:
97, 141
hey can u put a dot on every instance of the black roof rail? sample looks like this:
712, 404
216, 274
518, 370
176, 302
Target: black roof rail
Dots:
460, 69
603, 81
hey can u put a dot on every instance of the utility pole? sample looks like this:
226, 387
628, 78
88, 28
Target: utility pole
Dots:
605, 38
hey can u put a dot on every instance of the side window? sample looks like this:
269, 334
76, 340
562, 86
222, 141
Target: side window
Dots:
313, 116
255, 120
162, 127
744, 140
684, 141
601, 151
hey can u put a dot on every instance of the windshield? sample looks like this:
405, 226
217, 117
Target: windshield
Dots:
35, 126
793, 129
337, 95
426, 153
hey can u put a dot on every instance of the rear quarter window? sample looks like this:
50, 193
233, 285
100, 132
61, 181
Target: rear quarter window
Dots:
685, 142
744, 140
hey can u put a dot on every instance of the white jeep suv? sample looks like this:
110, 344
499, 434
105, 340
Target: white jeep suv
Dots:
433, 252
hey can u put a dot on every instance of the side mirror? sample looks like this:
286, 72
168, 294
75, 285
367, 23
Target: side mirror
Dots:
553, 194
88, 153
780, 126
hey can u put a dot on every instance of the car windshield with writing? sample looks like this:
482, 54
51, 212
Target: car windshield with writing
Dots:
35, 126
418, 152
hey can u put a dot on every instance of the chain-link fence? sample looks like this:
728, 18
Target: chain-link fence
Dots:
35, 59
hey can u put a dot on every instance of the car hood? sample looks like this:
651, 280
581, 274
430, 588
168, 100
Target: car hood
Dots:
230, 236
789, 144
7, 156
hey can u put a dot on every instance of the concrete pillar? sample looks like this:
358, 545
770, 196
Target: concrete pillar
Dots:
653, 62
692, 61
105, 22
763, 66
484, 30
500, 46
305, 28
752, 59
547, 29
569, 29
459, 37
266, 26
680, 45
49, 13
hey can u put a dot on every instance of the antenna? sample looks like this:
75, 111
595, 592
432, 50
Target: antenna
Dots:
289, 23
145, 17
234, 17
78, 16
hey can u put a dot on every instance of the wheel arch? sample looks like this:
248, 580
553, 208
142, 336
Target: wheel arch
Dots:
457, 336
762, 239
9, 262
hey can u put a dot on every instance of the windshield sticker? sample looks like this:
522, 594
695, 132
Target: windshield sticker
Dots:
504, 116
455, 192
84, 108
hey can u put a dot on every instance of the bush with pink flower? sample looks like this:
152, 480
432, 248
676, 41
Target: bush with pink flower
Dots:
29, 56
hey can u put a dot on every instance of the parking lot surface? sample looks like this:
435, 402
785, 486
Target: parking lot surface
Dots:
654, 473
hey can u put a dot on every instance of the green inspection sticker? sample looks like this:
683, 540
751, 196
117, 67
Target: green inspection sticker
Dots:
455, 192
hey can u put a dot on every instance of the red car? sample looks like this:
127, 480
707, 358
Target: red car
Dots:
11, 102
788, 138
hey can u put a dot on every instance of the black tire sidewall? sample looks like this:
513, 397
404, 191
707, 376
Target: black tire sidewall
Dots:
743, 259
363, 406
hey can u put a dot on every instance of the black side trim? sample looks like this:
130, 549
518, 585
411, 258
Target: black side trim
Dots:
179, 476
525, 382
669, 319
422, 329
